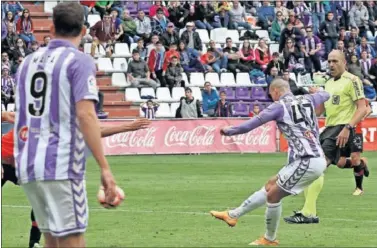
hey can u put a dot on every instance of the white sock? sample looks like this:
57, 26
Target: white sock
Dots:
273, 214
254, 201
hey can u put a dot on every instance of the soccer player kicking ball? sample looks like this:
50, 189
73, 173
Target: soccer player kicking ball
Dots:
295, 117
55, 100
344, 111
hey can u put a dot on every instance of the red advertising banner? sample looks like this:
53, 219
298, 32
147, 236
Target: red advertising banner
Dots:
369, 128
190, 136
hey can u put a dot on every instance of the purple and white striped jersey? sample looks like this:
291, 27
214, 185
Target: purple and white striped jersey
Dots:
49, 83
296, 119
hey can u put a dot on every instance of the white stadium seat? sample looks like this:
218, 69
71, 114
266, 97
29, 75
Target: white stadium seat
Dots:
132, 47
99, 51
163, 110
3, 107
177, 93
184, 78
263, 34
121, 50
147, 91
49, 5
213, 78
203, 34
204, 48
197, 79
181, 31
243, 79
119, 79
132, 94
104, 64
120, 64
197, 93
173, 108
92, 19
227, 79
374, 108
234, 35
219, 35
163, 94
274, 48
11, 107
88, 48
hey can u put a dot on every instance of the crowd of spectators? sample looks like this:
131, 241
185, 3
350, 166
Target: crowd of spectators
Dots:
305, 31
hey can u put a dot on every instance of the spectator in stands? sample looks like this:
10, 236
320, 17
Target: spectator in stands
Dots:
173, 74
256, 110
279, 7
372, 12
277, 27
365, 63
343, 8
13, 6
190, 6
149, 109
223, 11
46, 40
169, 55
291, 57
117, 24
220, 61
233, 56
318, 14
129, 28
289, 32
103, 7
143, 26
238, 16
207, 59
369, 90
155, 62
153, 11
247, 56
99, 105
350, 51
155, 38
20, 50
142, 50
17, 63
170, 36
189, 59
359, 17
138, 73
7, 87
189, 107
118, 6
342, 36
275, 62
88, 7
365, 47
191, 38
9, 19
4, 31
341, 46
330, 30
5, 61
104, 34
159, 23
34, 46
205, 15
274, 74
354, 67
312, 47
303, 12
262, 54
177, 14
266, 15
294, 20
293, 86
9, 44
354, 37
223, 107
25, 27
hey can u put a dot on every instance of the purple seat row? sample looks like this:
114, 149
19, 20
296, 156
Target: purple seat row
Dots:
245, 93
242, 109
135, 7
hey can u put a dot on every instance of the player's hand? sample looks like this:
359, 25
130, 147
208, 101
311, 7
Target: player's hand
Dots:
313, 90
108, 182
138, 124
224, 130
342, 138
7, 116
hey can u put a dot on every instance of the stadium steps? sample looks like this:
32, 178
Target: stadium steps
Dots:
103, 81
121, 110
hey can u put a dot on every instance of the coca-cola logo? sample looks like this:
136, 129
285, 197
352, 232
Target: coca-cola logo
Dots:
22, 134
140, 138
258, 137
199, 136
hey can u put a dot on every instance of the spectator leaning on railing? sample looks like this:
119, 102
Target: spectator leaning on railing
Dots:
189, 107
210, 99
223, 107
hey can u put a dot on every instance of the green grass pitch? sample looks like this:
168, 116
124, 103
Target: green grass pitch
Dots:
169, 197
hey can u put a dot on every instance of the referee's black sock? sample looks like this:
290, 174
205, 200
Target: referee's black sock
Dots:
35, 234
348, 164
358, 171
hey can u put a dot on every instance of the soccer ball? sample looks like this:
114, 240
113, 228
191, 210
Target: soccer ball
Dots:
118, 199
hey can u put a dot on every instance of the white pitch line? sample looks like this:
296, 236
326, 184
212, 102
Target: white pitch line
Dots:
187, 213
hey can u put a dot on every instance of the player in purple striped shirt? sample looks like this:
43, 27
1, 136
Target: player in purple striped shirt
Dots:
295, 117
55, 100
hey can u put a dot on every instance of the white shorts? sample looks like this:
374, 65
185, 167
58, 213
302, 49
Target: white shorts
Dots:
296, 176
60, 207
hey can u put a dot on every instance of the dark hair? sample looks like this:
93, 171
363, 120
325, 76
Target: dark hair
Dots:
342, 28
141, 39
158, 43
135, 51
207, 82
23, 18
149, 101
68, 18
174, 57
188, 89
228, 38
222, 92
353, 28
46, 36
34, 43
330, 12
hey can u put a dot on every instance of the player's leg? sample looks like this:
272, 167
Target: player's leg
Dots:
50, 241
9, 174
73, 240
35, 233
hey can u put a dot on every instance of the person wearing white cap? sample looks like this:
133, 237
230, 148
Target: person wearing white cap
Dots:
191, 38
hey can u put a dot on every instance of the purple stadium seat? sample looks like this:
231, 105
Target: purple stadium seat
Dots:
243, 93
241, 109
144, 5
131, 6
258, 93
230, 95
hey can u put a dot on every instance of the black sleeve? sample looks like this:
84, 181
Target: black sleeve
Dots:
178, 111
200, 115
185, 11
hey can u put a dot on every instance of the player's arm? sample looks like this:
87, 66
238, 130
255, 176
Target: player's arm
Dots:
127, 127
319, 98
273, 112
7, 116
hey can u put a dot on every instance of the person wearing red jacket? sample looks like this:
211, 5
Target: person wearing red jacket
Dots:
169, 55
25, 28
262, 54
155, 63
157, 5
88, 6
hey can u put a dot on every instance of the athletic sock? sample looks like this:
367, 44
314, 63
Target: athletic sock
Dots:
273, 214
348, 164
254, 201
310, 207
358, 171
35, 234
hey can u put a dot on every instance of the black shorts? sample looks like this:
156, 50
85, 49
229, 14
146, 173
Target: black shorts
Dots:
9, 174
332, 151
